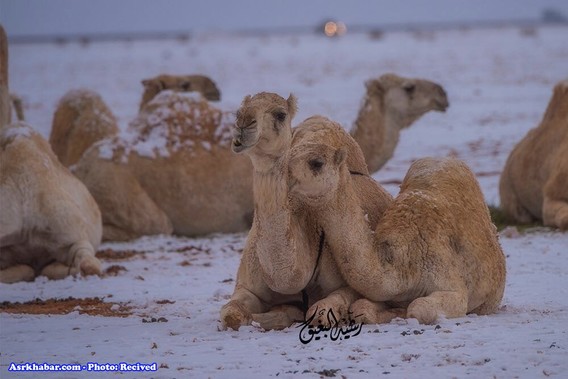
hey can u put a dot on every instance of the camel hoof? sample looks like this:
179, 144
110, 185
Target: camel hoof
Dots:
90, 266
233, 315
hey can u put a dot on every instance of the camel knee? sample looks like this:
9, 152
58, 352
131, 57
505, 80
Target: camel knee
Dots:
17, 273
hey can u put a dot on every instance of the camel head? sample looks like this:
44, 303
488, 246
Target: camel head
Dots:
315, 171
264, 125
405, 98
179, 83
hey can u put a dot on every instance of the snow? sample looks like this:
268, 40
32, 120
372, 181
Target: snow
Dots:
499, 82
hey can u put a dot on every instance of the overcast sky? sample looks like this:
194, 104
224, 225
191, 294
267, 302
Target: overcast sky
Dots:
70, 17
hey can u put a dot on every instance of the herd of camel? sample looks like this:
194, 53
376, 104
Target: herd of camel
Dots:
323, 234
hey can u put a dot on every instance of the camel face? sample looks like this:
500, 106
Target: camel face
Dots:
264, 124
409, 98
180, 83
314, 172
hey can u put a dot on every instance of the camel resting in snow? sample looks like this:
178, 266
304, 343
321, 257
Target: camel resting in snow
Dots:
179, 83
172, 170
49, 225
286, 259
534, 182
391, 104
435, 251
81, 119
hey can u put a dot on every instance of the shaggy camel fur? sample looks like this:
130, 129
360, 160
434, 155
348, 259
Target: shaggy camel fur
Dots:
81, 119
49, 225
534, 182
392, 103
171, 171
286, 259
5, 112
179, 83
435, 251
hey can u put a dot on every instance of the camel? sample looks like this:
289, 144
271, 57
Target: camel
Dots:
286, 259
80, 119
171, 171
391, 104
179, 83
5, 111
49, 225
534, 182
435, 251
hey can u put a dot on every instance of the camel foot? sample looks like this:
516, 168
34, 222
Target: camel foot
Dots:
17, 273
84, 258
368, 312
327, 313
233, 315
279, 317
57, 270
428, 309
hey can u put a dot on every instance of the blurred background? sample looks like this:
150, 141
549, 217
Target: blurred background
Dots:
36, 20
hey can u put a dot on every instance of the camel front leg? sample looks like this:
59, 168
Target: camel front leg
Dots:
429, 308
370, 312
337, 302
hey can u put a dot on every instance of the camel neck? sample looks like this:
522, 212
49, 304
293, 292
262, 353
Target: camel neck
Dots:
377, 132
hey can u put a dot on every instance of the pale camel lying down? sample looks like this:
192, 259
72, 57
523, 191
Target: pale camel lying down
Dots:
49, 225
80, 120
534, 182
286, 259
434, 252
172, 170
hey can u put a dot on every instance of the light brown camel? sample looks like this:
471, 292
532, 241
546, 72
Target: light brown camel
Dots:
286, 258
435, 251
534, 182
49, 225
5, 111
81, 119
391, 104
172, 170
179, 83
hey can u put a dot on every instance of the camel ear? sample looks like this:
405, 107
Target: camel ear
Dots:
340, 156
292, 105
374, 85
246, 100
152, 84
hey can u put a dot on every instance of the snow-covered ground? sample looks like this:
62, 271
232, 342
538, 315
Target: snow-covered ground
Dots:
498, 81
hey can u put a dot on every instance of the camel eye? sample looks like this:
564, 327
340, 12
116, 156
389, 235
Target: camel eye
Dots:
409, 88
315, 164
280, 116
186, 86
